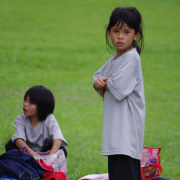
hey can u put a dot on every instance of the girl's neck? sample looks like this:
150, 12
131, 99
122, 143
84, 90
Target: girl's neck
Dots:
34, 121
119, 53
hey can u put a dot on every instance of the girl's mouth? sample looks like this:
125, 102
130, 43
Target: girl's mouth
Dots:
119, 43
24, 110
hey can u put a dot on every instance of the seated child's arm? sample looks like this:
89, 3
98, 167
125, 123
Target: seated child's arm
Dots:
56, 145
20, 143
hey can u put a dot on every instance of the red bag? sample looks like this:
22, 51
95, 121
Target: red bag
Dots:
49, 173
150, 163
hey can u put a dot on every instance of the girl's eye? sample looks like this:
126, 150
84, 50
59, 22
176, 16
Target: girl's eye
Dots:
126, 32
115, 30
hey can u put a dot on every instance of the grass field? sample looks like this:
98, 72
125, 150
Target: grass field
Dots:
60, 44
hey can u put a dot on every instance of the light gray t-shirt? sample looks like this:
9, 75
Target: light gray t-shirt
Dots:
124, 105
43, 134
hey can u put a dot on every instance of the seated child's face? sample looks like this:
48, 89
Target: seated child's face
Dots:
29, 109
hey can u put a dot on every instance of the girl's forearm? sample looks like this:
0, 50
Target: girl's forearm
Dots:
20, 143
56, 145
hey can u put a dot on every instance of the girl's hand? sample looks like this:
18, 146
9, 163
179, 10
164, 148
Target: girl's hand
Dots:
100, 83
101, 93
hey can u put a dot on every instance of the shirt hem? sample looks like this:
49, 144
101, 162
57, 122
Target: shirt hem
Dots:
122, 153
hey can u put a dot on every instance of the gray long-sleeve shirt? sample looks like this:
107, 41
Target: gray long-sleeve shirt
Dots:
124, 105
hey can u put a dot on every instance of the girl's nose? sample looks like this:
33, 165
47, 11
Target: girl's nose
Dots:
24, 103
120, 35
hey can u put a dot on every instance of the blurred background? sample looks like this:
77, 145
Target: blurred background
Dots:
60, 44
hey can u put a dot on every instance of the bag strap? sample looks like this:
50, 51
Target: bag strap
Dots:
156, 161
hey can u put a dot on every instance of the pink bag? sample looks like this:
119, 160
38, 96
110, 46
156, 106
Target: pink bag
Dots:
95, 177
57, 160
150, 163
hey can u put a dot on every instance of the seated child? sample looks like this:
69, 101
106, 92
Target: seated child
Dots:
37, 129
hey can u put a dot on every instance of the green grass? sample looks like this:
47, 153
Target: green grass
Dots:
60, 44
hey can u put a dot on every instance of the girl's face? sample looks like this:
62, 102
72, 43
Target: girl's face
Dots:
29, 109
122, 37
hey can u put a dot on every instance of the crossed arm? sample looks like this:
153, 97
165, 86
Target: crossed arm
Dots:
101, 86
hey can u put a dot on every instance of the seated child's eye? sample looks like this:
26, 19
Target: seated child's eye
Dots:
32, 102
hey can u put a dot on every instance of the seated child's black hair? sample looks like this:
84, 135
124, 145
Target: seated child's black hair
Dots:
44, 100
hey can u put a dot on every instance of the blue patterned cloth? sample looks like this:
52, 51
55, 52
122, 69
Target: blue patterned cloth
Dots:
19, 165
7, 179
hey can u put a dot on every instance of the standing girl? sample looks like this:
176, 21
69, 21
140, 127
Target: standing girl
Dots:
37, 129
120, 83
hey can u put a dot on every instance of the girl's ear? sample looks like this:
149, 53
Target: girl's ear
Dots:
108, 33
137, 35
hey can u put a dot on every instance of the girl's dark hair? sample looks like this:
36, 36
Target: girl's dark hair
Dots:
132, 18
44, 100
